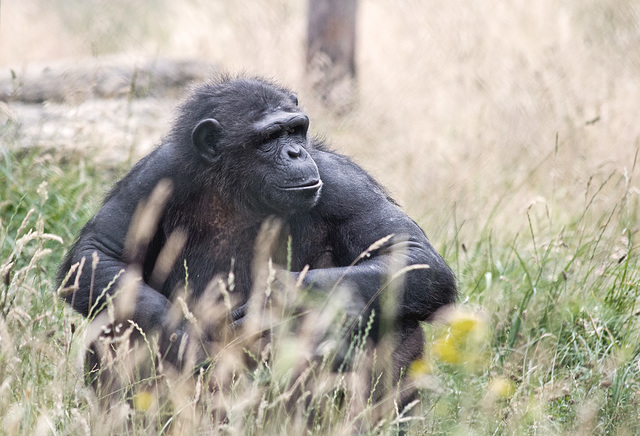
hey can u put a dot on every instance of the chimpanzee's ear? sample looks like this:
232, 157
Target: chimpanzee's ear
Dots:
205, 137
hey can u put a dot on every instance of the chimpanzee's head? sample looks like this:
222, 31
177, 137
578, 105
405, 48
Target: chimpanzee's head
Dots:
250, 136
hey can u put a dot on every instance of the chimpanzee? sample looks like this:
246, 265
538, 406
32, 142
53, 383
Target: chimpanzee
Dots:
239, 153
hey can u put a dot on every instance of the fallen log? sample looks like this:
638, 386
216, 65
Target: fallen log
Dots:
100, 78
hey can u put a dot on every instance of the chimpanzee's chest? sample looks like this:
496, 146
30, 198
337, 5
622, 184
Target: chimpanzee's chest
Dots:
310, 243
213, 255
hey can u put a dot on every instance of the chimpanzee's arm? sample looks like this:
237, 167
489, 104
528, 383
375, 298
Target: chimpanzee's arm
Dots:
105, 235
360, 214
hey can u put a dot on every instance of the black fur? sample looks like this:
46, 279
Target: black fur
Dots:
238, 153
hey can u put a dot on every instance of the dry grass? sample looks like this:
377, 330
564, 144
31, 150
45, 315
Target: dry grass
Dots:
457, 101
508, 130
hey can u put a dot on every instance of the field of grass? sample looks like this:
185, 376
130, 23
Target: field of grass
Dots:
508, 130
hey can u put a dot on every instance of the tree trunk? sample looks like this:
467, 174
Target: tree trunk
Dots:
331, 41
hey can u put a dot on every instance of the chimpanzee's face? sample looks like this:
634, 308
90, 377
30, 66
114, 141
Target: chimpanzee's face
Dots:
262, 152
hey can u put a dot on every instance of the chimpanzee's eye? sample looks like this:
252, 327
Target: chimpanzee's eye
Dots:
271, 134
296, 130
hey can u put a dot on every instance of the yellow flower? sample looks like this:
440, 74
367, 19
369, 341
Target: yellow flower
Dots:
142, 401
418, 368
463, 341
463, 324
502, 387
447, 350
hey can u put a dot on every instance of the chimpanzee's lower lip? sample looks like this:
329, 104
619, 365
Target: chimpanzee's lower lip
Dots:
313, 185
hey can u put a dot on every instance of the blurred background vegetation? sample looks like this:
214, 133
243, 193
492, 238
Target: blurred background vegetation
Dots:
508, 130
465, 101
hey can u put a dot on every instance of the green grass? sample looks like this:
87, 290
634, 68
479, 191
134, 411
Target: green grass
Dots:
545, 339
459, 107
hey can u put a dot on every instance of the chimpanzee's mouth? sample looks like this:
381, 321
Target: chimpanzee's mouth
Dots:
312, 185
